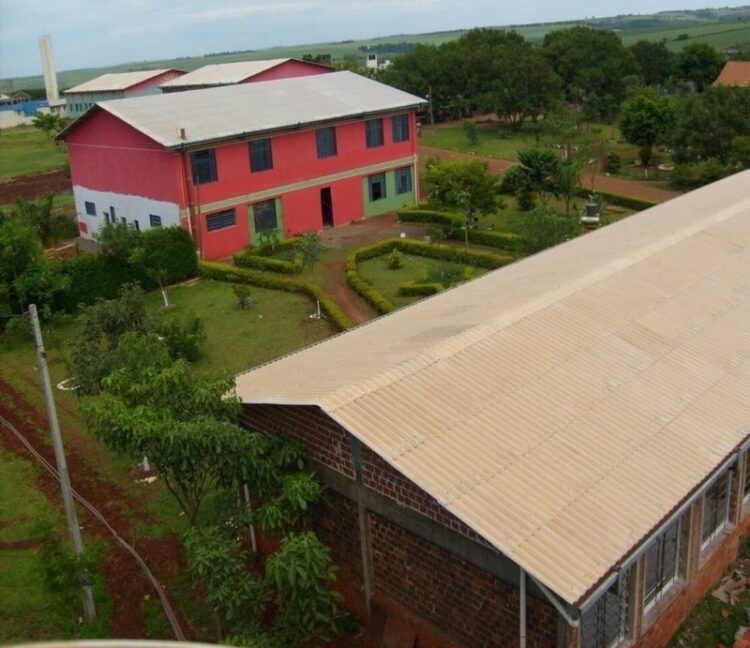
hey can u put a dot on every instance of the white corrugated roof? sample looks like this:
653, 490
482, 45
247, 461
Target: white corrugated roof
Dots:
231, 111
223, 73
563, 405
116, 81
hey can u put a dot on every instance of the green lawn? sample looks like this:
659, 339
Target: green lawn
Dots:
504, 143
27, 610
26, 149
413, 268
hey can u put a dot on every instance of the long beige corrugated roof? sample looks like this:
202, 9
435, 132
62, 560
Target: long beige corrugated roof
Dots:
116, 81
233, 111
563, 405
225, 73
734, 73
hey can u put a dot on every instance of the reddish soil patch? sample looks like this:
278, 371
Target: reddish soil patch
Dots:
19, 545
124, 579
608, 184
337, 288
34, 185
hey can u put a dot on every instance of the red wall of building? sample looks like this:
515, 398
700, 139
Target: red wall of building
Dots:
154, 81
289, 69
108, 155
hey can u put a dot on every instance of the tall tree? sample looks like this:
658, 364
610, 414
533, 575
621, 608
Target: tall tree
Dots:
655, 61
592, 64
645, 122
699, 63
542, 173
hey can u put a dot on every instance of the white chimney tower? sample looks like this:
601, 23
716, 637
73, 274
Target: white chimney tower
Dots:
48, 68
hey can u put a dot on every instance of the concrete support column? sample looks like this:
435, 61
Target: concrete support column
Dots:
636, 598
364, 527
695, 523
739, 489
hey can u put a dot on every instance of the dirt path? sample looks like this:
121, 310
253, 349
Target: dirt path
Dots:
337, 288
124, 580
609, 184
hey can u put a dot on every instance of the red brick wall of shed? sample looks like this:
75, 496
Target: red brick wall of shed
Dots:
465, 602
667, 620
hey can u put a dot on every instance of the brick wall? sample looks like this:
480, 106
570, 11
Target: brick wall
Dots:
325, 440
452, 594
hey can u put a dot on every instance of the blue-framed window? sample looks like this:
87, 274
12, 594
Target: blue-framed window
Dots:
154, 220
374, 133
264, 216
204, 166
261, 158
326, 140
376, 186
400, 125
403, 180
90, 208
221, 220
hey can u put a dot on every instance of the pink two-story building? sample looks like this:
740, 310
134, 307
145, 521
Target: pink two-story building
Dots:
233, 164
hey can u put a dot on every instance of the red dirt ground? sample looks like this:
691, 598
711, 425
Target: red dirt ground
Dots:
34, 185
124, 580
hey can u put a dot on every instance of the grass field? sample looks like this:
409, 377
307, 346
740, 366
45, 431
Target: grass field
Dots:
26, 149
27, 609
720, 28
377, 273
504, 144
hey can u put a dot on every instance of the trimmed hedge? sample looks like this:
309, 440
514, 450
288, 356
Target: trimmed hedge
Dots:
419, 289
504, 241
232, 274
406, 246
249, 259
614, 199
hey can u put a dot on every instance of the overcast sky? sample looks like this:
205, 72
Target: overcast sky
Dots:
92, 33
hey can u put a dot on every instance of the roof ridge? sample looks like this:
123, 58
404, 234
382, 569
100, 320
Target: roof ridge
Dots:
454, 344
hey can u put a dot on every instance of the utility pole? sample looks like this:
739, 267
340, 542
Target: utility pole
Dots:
62, 467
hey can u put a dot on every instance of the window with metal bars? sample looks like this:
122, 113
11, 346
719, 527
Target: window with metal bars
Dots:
403, 180
661, 564
716, 502
221, 220
261, 158
374, 133
204, 166
264, 216
326, 141
400, 124
607, 622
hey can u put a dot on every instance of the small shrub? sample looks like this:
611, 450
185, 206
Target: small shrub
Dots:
243, 295
445, 274
526, 200
308, 249
614, 163
514, 179
471, 131
419, 289
394, 260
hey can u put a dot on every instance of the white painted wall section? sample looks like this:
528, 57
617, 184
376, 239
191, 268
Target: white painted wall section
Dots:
131, 208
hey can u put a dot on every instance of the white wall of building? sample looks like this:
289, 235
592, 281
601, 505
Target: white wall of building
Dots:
130, 208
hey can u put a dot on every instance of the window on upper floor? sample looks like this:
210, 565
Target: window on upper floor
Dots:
90, 208
376, 186
403, 180
606, 623
204, 166
154, 220
326, 141
264, 216
261, 158
400, 125
374, 133
221, 220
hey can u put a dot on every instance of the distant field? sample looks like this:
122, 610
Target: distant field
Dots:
718, 27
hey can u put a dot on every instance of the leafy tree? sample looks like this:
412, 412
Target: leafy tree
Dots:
655, 61
543, 228
471, 131
592, 64
119, 240
542, 171
646, 122
740, 151
699, 63
707, 123
49, 123
467, 186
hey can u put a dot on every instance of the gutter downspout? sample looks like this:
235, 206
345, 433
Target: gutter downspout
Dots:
522, 608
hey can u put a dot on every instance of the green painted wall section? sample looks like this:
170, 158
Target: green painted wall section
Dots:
254, 238
392, 200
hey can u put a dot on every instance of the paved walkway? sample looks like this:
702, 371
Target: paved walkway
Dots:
609, 184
